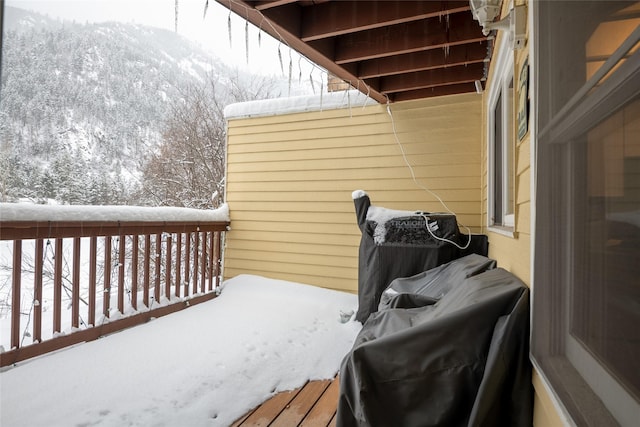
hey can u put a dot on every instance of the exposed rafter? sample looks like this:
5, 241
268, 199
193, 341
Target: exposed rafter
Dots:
392, 50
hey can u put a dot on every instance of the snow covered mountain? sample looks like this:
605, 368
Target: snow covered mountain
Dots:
82, 106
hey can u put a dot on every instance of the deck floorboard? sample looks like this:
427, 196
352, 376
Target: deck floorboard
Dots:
312, 405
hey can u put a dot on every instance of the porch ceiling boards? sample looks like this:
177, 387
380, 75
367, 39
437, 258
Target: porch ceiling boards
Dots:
392, 50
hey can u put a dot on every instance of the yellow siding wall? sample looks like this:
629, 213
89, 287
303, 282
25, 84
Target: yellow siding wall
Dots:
290, 179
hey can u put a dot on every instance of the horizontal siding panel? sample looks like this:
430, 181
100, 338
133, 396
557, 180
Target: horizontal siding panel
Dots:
433, 177
298, 227
524, 157
296, 258
304, 117
344, 188
311, 217
363, 162
302, 269
315, 249
435, 153
335, 283
291, 195
456, 143
309, 238
523, 192
458, 207
523, 218
310, 132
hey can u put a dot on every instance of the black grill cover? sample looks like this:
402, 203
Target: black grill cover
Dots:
461, 359
404, 247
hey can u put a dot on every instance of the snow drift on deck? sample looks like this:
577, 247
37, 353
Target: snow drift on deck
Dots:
205, 366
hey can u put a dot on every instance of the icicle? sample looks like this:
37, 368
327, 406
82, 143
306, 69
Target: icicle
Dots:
246, 39
299, 69
349, 103
176, 17
290, 71
206, 6
260, 35
447, 20
321, 90
229, 29
367, 98
280, 59
313, 88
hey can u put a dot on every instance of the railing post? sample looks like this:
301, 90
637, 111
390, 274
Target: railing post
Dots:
106, 294
93, 267
167, 268
187, 264
37, 291
203, 262
158, 258
75, 284
15, 293
218, 257
212, 250
134, 272
147, 269
57, 287
121, 253
178, 263
196, 244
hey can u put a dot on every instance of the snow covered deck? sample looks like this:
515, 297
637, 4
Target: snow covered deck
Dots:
205, 366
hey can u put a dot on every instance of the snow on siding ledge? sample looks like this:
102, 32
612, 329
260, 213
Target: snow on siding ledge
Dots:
297, 104
33, 212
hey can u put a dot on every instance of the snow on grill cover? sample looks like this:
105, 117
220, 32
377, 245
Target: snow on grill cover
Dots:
400, 244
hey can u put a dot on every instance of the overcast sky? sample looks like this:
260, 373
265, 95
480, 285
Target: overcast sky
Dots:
212, 31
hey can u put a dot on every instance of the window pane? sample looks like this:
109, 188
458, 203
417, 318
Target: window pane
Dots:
509, 147
578, 38
605, 308
498, 165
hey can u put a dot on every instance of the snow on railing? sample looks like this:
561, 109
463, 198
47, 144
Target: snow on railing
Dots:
59, 265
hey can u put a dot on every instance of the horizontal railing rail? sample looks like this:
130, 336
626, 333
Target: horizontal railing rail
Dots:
92, 278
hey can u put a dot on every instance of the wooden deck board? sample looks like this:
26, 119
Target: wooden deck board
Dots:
313, 405
325, 408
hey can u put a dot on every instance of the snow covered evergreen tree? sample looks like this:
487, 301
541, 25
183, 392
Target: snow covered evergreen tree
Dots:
90, 112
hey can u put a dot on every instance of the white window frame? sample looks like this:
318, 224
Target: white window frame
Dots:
498, 89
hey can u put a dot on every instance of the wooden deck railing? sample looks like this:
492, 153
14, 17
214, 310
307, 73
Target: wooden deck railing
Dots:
100, 277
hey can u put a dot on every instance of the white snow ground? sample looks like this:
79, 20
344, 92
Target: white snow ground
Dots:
204, 366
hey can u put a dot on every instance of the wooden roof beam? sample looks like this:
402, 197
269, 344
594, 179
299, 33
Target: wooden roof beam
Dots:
421, 61
433, 92
343, 17
433, 33
431, 78
268, 4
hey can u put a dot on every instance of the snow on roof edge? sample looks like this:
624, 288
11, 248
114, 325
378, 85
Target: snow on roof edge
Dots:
297, 104
34, 212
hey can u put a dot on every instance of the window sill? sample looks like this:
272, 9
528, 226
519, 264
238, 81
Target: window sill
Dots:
504, 231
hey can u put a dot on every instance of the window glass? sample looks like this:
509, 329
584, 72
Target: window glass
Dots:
606, 291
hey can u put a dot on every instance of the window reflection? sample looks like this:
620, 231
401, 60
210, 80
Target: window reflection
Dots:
606, 291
